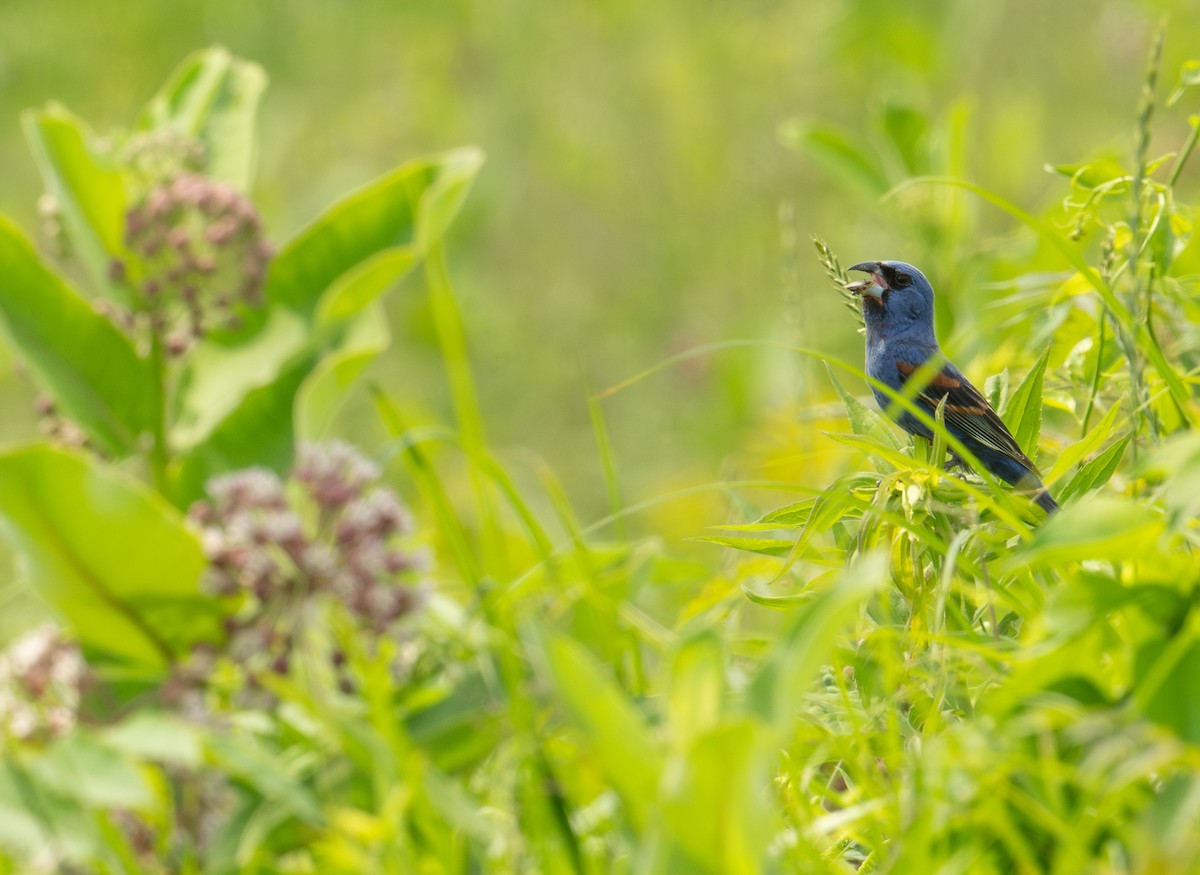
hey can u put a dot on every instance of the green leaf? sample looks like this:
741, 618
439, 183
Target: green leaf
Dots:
1091, 174
108, 555
1166, 676
213, 97
863, 420
1095, 473
157, 736
614, 729
1189, 76
88, 190
697, 687
1098, 529
249, 760
838, 151
1023, 412
1075, 453
714, 805
325, 390
766, 546
795, 660
89, 366
906, 128
260, 431
80, 767
382, 215
216, 377
363, 284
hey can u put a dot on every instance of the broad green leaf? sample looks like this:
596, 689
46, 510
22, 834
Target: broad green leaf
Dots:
697, 687
159, 736
1095, 473
837, 150
88, 190
326, 388
213, 97
216, 377
715, 804
363, 284
260, 431
1098, 529
1023, 412
78, 355
1075, 453
108, 555
381, 215
786, 674
614, 729
80, 767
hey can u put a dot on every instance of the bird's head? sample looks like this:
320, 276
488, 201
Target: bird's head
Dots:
897, 295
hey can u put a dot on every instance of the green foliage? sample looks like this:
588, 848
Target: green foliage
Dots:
900, 670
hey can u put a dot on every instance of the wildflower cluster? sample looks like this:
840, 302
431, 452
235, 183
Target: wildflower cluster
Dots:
200, 259
41, 675
332, 532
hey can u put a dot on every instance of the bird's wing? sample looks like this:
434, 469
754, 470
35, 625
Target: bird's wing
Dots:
967, 411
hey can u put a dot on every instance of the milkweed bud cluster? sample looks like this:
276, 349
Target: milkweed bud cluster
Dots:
41, 675
200, 259
331, 532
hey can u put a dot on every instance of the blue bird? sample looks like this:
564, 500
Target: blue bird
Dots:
897, 306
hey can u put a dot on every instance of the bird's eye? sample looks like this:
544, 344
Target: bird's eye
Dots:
901, 280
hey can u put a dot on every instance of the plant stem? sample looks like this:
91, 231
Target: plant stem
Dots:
160, 455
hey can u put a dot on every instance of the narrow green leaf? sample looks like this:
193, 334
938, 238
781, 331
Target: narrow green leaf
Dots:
1075, 453
1023, 412
89, 366
615, 730
213, 97
1095, 473
697, 687
766, 546
108, 555
88, 190
863, 420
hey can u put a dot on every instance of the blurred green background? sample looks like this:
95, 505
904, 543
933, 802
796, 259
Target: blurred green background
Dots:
638, 198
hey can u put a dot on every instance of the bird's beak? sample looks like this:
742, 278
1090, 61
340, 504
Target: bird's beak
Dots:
874, 287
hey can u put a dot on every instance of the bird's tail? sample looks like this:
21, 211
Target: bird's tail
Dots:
1046, 500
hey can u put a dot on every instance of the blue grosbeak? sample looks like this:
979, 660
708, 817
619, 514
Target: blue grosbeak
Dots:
897, 305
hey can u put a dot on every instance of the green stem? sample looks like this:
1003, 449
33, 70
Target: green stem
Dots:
160, 455
1184, 153
1095, 387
